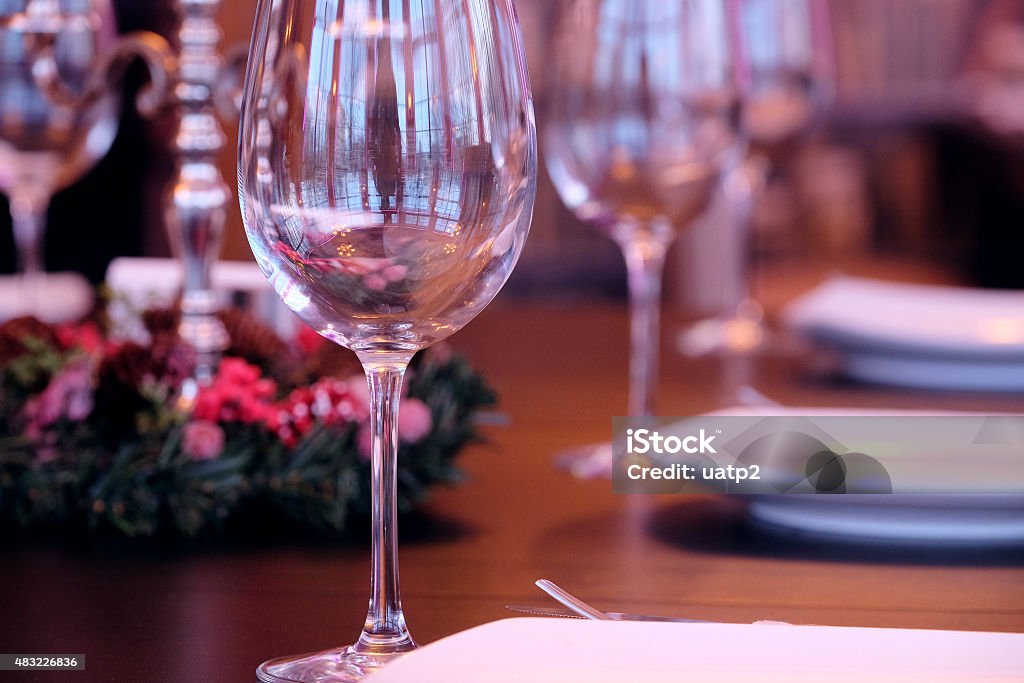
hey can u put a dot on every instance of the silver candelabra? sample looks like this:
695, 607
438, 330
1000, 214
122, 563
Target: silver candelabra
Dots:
184, 76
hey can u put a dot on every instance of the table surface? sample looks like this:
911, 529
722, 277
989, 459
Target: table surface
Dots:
213, 613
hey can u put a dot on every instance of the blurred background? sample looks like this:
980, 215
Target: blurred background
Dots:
922, 157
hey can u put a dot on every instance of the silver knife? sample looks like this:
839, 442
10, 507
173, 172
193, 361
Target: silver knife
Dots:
617, 616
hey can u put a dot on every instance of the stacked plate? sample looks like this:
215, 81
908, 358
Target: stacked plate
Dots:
921, 336
930, 518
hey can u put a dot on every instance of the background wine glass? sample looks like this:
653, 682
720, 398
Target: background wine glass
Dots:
787, 76
387, 175
642, 120
45, 143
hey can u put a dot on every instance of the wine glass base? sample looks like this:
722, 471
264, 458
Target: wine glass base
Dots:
338, 665
593, 461
735, 335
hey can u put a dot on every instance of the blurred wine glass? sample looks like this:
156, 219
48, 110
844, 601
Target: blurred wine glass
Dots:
387, 174
786, 74
642, 120
49, 136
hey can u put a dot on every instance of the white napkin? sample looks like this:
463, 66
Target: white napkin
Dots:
563, 650
148, 282
54, 297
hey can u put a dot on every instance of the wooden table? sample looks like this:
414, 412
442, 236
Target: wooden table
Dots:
213, 614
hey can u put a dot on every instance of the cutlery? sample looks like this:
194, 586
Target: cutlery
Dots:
615, 616
571, 601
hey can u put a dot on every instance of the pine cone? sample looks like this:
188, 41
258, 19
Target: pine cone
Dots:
330, 360
253, 340
118, 396
161, 321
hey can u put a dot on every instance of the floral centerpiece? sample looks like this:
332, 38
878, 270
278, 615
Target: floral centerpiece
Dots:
93, 439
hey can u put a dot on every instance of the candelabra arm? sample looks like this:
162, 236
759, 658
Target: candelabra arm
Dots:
43, 21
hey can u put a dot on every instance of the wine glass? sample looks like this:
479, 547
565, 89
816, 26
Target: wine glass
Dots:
787, 76
387, 174
49, 137
642, 119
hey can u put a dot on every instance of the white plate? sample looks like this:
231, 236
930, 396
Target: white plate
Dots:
968, 520
924, 336
567, 650
930, 372
929, 518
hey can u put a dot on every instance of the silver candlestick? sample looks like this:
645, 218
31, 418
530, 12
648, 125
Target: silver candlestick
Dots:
196, 206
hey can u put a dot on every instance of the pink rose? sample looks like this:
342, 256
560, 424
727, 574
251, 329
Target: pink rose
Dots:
203, 440
414, 420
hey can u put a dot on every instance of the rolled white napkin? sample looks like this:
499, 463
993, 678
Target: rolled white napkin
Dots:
51, 297
141, 283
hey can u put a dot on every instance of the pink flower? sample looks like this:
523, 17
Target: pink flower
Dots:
68, 396
237, 371
360, 393
414, 423
375, 282
239, 393
414, 420
203, 440
395, 273
86, 336
308, 340
330, 402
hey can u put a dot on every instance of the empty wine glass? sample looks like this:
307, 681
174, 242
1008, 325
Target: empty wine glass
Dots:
786, 74
641, 121
387, 173
47, 142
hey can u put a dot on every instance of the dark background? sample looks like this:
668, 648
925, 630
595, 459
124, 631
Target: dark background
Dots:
961, 205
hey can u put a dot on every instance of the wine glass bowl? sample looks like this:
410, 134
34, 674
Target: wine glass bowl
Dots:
641, 119
403, 192
788, 72
47, 143
387, 174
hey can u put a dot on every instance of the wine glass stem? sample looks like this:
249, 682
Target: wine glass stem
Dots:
745, 187
385, 631
27, 215
645, 263
27, 218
